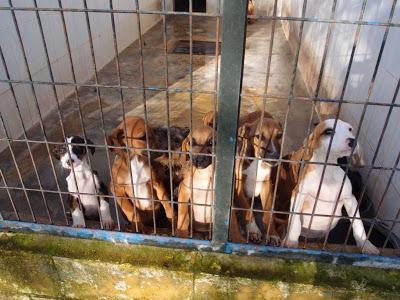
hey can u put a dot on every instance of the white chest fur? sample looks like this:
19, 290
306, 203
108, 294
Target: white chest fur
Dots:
329, 197
141, 177
203, 195
85, 185
263, 171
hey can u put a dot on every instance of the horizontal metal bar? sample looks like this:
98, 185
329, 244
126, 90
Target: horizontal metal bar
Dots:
354, 259
317, 20
194, 91
97, 85
199, 14
202, 154
115, 11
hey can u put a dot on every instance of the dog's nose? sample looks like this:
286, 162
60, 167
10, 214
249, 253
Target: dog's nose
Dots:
352, 143
70, 162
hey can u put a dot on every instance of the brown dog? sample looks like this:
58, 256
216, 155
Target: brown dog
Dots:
137, 202
197, 186
259, 138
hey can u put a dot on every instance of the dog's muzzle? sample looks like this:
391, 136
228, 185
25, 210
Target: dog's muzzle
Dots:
201, 161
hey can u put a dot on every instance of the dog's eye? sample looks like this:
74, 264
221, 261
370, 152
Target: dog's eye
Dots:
142, 138
350, 129
279, 136
210, 142
328, 131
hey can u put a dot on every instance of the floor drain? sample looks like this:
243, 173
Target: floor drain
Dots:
198, 47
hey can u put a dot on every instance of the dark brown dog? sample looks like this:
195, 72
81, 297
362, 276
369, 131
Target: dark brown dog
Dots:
137, 201
259, 138
197, 186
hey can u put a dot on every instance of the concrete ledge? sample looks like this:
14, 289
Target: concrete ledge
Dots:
67, 268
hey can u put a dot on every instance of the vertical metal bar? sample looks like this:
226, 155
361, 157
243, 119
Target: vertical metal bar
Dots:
381, 202
26, 64
346, 80
371, 85
215, 98
290, 96
69, 50
116, 51
165, 39
191, 113
3, 125
321, 73
233, 42
89, 30
271, 45
9, 194
143, 84
24, 132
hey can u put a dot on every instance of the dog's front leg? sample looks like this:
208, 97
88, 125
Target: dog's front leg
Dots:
255, 234
78, 219
183, 211
294, 227
105, 213
358, 228
162, 194
268, 218
127, 206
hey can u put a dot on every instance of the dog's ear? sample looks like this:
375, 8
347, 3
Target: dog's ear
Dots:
91, 148
249, 130
186, 144
209, 119
357, 159
116, 140
308, 147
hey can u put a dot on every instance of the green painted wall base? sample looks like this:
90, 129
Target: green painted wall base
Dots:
39, 266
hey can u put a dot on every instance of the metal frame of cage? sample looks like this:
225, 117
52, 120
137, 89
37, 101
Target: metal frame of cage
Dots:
227, 89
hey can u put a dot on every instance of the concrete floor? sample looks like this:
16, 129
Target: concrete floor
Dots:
257, 45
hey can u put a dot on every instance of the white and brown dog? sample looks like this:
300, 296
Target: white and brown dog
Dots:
86, 189
198, 183
304, 195
259, 138
136, 201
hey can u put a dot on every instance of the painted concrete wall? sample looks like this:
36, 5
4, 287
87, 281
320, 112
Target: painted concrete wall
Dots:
127, 32
365, 58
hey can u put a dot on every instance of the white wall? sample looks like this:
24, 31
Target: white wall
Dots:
126, 28
365, 58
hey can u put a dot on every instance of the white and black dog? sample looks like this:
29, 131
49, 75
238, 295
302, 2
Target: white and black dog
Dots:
85, 187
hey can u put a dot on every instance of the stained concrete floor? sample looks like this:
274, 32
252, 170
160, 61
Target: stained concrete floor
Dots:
203, 79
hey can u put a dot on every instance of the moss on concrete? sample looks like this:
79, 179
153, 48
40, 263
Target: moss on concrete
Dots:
58, 267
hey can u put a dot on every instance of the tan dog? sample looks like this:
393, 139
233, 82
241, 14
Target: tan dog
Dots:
136, 201
254, 176
197, 186
329, 201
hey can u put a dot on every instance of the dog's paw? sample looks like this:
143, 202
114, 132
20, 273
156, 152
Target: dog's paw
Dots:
108, 224
273, 240
369, 248
290, 243
182, 233
78, 225
255, 234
